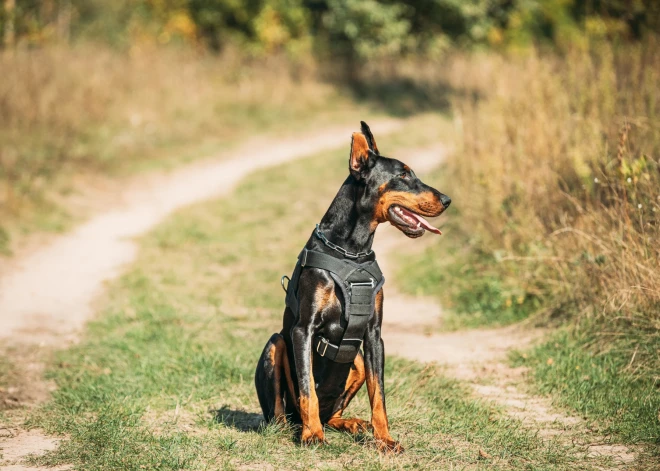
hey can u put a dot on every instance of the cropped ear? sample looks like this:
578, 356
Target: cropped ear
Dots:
370, 137
362, 157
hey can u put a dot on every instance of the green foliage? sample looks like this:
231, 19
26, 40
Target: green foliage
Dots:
477, 289
368, 27
268, 24
357, 28
488, 302
115, 22
4, 241
603, 387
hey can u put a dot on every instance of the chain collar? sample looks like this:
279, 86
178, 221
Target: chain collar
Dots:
339, 249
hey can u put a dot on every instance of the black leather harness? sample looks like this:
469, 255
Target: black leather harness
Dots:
359, 283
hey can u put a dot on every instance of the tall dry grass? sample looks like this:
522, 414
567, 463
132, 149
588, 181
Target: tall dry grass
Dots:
558, 175
90, 108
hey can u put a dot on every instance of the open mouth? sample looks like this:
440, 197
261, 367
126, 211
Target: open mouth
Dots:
409, 222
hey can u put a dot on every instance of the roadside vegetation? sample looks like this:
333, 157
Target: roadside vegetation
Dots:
554, 176
164, 376
556, 180
109, 114
97, 88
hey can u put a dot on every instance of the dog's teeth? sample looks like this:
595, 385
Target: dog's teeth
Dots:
419, 224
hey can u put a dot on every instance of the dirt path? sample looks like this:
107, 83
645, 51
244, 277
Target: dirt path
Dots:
477, 357
46, 297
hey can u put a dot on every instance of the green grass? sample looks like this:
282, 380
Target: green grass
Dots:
476, 289
473, 293
6, 375
603, 388
163, 378
584, 369
588, 374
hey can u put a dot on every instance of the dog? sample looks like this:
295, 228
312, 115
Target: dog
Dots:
296, 379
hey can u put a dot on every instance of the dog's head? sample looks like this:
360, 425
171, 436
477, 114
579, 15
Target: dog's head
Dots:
392, 190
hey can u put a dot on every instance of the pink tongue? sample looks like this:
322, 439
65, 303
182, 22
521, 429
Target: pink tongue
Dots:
425, 224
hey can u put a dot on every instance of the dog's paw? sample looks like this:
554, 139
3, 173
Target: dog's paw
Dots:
389, 446
353, 426
356, 426
312, 437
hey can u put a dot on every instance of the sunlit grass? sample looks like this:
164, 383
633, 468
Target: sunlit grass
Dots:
115, 114
555, 216
164, 376
601, 387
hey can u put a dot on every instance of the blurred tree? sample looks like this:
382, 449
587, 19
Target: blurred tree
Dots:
64, 20
267, 24
281, 23
113, 21
368, 28
389, 27
9, 22
218, 20
352, 28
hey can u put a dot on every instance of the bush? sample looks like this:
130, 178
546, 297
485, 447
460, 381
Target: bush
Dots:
68, 112
559, 174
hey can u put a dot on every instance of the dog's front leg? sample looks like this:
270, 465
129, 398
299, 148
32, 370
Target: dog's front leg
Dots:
374, 362
312, 430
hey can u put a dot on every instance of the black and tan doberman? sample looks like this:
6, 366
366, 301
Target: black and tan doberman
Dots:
295, 378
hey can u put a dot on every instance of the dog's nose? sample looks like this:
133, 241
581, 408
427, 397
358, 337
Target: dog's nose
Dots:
445, 200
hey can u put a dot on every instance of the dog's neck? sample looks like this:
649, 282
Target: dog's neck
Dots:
348, 222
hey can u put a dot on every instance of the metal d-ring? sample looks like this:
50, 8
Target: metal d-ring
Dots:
286, 290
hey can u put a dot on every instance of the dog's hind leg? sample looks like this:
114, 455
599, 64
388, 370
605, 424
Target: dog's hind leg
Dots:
354, 382
269, 379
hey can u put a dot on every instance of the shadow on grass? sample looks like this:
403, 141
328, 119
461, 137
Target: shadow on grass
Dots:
238, 419
402, 96
398, 89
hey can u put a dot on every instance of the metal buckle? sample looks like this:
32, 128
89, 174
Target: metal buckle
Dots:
370, 283
324, 341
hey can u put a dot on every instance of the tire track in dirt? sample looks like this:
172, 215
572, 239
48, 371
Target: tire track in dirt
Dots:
476, 357
47, 296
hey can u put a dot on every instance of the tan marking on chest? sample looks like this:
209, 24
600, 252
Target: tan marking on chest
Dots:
324, 298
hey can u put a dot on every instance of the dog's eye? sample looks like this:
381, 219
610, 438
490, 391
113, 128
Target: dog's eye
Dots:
404, 175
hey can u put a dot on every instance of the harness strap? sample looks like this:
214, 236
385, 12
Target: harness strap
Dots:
342, 268
359, 283
361, 309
